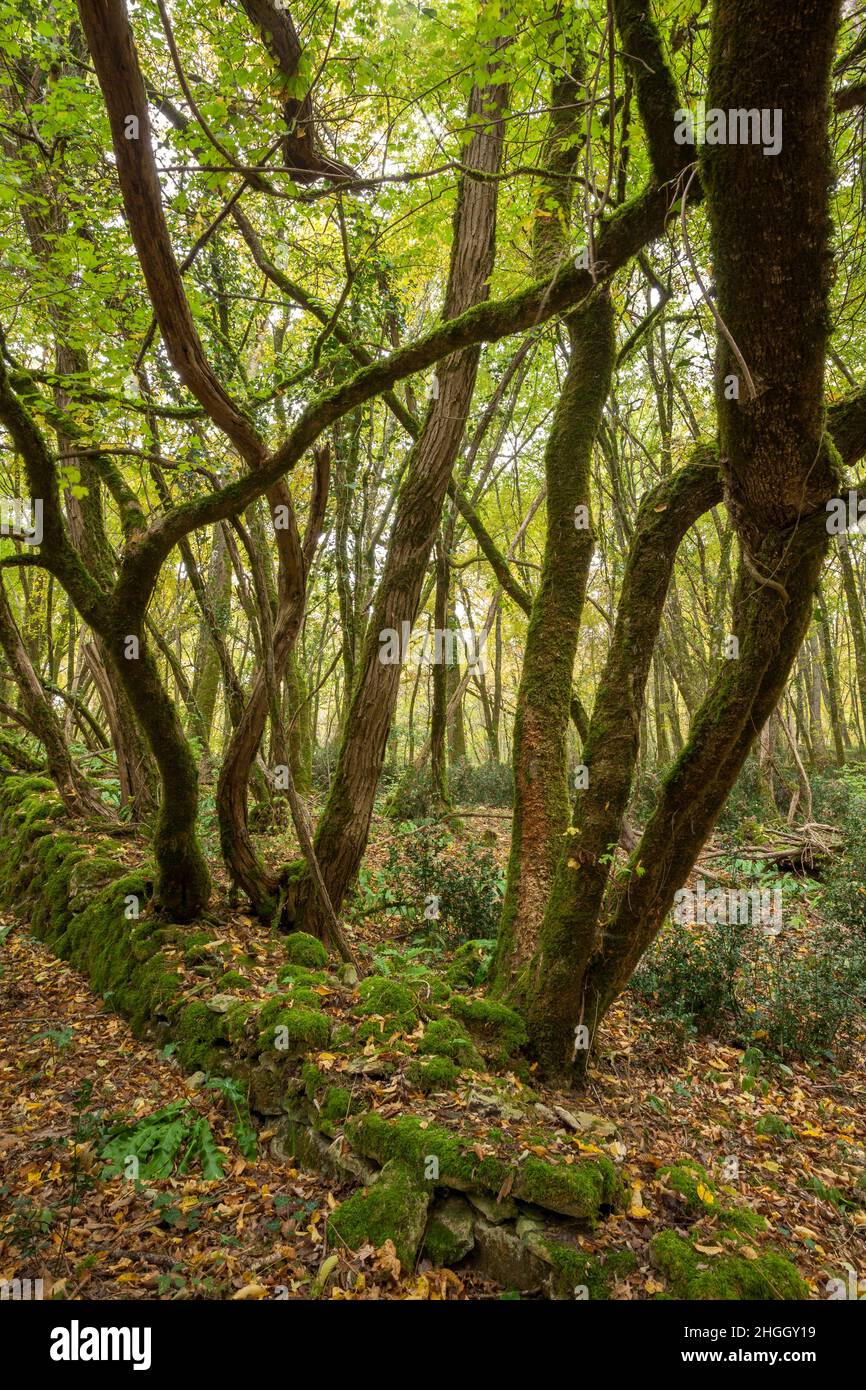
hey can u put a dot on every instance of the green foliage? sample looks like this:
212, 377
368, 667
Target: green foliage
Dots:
799, 996
164, 1143
451, 887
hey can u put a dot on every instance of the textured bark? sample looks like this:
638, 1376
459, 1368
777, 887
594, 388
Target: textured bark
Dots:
544, 696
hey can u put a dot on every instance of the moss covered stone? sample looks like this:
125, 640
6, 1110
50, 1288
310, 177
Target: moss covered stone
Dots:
450, 1234
306, 950
233, 979
393, 1208
445, 1037
491, 1021
380, 995
580, 1189
291, 1028
691, 1275
577, 1273
693, 1184
438, 1074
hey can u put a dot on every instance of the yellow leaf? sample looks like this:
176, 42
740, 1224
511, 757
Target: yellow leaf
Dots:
637, 1211
705, 1195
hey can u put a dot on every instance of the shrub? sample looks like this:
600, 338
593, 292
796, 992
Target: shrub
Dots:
800, 994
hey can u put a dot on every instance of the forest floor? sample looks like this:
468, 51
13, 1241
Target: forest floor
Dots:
260, 1231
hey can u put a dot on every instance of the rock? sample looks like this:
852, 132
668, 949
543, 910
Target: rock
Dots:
491, 1103
221, 1003
393, 1208
87, 877
450, 1234
493, 1211
501, 1255
347, 974
296, 1144
583, 1122
197, 1080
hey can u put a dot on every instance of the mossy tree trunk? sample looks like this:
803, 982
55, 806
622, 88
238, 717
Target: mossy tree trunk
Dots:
541, 798
769, 232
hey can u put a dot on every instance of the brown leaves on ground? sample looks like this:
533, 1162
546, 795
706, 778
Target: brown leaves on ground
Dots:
257, 1233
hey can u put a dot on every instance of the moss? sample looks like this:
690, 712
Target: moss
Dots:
151, 991
306, 997
467, 965
233, 979
336, 1108
305, 1028
578, 1189
573, 1270
386, 1030
393, 1208
450, 1234
306, 950
439, 1074
380, 995
492, 1021
687, 1178
691, 1276
200, 1034
445, 1038
741, 1220
300, 975
312, 1077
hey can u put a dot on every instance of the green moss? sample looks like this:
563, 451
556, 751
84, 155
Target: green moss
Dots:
380, 995
150, 993
306, 950
200, 1034
774, 1126
467, 965
492, 1021
233, 979
439, 1074
393, 1208
727, 1277
686, 1178
300, 975
578, 1189
444, 1037
742, 1220
450, 1234
575, 1270
336, 1107
304, 1028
